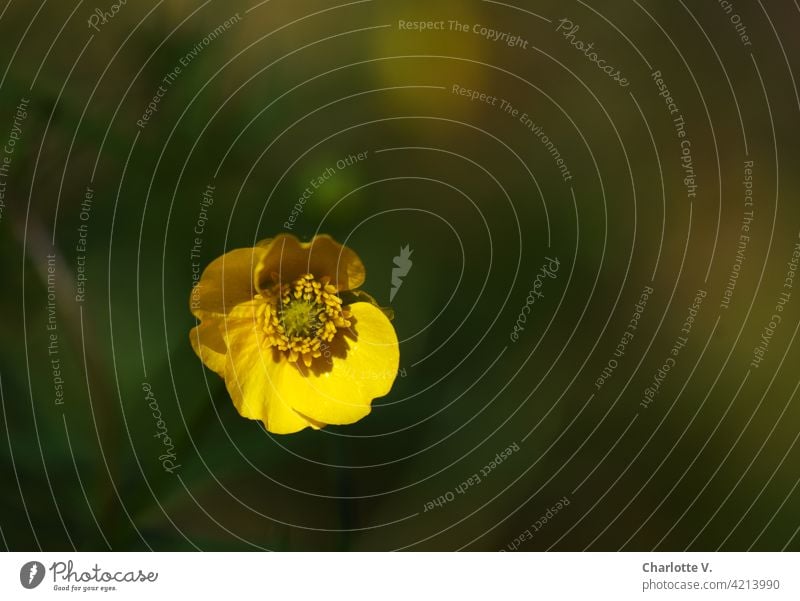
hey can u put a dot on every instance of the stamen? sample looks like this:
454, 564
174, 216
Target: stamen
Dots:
300, 317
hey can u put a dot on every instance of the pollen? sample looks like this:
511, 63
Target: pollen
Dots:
301, 318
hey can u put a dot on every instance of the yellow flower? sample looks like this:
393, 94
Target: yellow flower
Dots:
297, 344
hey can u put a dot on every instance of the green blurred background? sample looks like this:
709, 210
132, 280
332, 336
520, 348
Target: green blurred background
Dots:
269, 96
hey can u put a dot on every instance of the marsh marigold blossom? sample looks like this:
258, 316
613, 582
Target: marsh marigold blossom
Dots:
295, 340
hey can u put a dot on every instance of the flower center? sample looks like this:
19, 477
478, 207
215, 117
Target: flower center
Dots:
301, 318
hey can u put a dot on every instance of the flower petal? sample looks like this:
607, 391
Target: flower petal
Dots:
209, 345
226, 282
286, 258
343, 393
253, 376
